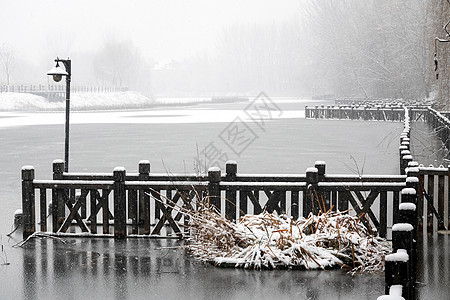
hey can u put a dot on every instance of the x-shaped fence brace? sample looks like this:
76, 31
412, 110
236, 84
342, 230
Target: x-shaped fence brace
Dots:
185, 195
274, 201
97, 201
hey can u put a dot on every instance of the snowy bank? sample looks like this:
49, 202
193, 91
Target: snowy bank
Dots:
78, 101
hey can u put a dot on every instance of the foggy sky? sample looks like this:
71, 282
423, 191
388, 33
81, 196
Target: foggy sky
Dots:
175, 29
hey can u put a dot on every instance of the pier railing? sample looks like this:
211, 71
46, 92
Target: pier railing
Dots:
366, 112
151, 204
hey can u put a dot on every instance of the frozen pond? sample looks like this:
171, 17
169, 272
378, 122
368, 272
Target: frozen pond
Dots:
171, 139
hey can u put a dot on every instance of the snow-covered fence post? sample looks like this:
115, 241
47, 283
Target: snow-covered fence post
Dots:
120, 220
230, 193
312, 180
214, 175
406, 158
396, 271
58, 205
409, 195
324, 198
144, 199
316, 112
28, 201
403, 240
403, 163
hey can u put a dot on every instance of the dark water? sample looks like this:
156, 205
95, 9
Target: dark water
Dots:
153, 269
158, 269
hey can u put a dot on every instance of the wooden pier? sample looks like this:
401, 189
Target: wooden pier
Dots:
394, 113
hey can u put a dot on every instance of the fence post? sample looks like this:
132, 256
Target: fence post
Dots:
321, 168
396, 271
58, 206
28, 201
143, 205
120, 225
230, 193
214, 175
312, 180
406, 159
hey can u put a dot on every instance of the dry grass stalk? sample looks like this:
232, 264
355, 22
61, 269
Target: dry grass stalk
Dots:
268, 241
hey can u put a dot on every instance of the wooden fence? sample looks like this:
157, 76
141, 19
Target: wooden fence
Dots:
146, 202
386, 112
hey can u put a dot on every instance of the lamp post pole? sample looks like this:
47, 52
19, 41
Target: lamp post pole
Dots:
57, 74
67, 64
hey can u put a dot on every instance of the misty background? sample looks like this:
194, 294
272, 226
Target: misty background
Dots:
302, 48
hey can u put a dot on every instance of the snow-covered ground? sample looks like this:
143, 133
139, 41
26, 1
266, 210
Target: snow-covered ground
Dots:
78, 101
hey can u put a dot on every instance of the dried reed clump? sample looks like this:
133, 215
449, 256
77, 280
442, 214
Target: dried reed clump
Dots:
268, 241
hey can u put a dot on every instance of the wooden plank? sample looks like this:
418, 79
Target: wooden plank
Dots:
430, 207
243, 207
43, 208
382, 230
93, 217
420, 203
133, 210
254, 198
74, 214
295, 204
105, 210
395, 204
230, 203
441, 199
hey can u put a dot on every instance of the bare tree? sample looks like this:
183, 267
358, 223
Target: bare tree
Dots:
7, 60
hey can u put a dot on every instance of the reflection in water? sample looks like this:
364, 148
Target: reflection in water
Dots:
150, 269
433, 270
29, 275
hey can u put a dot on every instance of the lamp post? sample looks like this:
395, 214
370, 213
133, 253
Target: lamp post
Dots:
57, 72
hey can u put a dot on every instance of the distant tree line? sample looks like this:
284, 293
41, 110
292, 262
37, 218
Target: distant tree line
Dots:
371, 48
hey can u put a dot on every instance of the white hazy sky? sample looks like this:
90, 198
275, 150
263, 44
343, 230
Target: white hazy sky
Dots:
162, 29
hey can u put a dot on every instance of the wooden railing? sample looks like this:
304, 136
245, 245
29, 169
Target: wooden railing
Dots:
365, 112
129, 198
